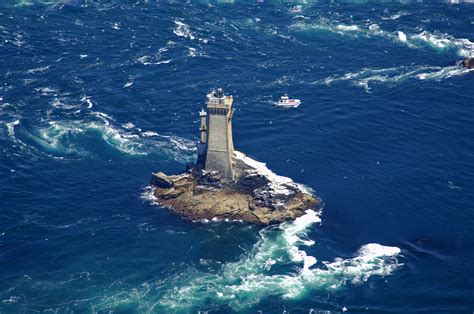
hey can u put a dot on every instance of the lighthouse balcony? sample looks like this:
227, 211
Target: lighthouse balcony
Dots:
220, 103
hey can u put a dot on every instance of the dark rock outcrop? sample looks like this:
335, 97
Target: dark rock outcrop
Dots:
161, 180
468, 63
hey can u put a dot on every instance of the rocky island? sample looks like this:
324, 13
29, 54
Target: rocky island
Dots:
225, 184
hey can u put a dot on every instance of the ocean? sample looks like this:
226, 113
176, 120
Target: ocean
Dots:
95, 95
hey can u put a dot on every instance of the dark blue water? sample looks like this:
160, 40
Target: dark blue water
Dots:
98, 94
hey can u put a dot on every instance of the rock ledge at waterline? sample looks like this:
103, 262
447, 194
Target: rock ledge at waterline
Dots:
256, 194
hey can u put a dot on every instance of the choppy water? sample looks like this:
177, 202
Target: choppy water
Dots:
95, 95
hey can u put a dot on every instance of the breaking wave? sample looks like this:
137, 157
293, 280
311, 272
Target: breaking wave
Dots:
367, 77
259, 273
279, 185
148, 196
437, 41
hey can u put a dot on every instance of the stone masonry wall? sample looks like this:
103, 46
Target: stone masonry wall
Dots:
218, 156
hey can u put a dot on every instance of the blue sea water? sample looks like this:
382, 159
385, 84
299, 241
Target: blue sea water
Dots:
95, 95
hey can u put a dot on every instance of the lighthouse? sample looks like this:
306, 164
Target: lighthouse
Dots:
217, 146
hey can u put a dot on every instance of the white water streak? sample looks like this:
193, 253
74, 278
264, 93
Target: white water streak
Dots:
367, 77
435, 40
246, 282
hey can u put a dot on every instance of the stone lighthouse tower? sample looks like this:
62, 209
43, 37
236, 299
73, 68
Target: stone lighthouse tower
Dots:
218, 152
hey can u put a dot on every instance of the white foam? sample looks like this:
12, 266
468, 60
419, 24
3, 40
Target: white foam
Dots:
254, 277
149, 134
347, 28
143, 60
38, 70
183, 144
402, 37
434, 40
11, 127
105, 117
123, 142
128, 125
291, 233
367, 77
51, 137
63, 136
46, 90
163, 62
278, 184
182, 30
147, 60
371, 259
88, 101
444, 73
66, 226
59, 136
12, 299
396, 16
128, 84
296, 9
149, 196
192, 52
373, 250
61, 104
217, 220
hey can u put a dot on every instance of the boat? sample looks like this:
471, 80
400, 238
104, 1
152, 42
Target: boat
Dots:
287, 102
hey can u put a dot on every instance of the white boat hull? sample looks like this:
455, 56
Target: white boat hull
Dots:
293, 103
